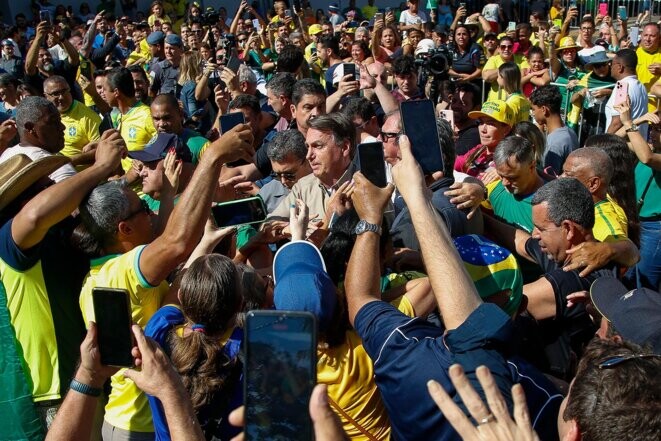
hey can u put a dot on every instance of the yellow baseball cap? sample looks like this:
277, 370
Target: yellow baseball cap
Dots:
314, 29
496, 109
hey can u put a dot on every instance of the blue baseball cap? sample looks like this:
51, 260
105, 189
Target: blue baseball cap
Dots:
156, 38
302, 283
157, 148
633, 313
174, 40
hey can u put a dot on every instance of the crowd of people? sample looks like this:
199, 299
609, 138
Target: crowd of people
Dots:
512, 294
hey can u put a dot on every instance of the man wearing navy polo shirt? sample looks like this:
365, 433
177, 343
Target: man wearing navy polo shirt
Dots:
408, 352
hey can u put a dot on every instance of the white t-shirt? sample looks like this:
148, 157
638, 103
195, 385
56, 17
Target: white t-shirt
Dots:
638, 97
407, 18
34, 153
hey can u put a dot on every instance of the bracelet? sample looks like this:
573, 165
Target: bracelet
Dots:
84, 389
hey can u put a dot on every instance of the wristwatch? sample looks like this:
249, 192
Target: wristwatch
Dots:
633, 128
363, 226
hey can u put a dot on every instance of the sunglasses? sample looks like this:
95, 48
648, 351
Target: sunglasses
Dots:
144, 208
387, 136
617, 360
506, 46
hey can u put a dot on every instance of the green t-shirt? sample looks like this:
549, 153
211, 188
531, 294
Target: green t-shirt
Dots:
652, 202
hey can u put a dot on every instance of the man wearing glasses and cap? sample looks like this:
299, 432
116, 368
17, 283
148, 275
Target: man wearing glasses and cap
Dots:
9, 62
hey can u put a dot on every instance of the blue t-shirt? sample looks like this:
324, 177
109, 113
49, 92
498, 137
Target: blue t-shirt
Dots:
158, 328
408, 352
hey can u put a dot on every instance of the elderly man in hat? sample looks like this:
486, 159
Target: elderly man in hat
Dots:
41, 276
164, 74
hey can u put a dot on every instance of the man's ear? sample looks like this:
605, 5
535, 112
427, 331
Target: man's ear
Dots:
573, 433
568, 229
292, 107
124, 228
28, 126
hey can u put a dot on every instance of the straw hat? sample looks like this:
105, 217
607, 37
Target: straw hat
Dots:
568, 43
19, 172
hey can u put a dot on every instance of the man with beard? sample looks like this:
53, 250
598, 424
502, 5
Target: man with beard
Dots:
39, 63
81, 124
141, 84
599, 78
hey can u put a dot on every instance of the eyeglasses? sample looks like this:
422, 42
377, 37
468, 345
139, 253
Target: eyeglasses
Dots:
387, 136
242, 40
617, 360
506, 46
144, 208
287, 176
57, 93
587, 29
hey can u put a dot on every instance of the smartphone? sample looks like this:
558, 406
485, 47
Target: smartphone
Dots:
622, 12
313, 51
572, 3
371, 163
462, 5
44, 15
349, 69
256, 25
378, 16
112, 312
634, 35
447, 115
233, 63
621, 93
287, 12
242, 211
227, 123
279, 374
511, 26
603, 9
419, 124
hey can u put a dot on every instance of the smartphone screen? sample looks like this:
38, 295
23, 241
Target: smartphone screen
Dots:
621, 93
240, 212
419, 124
44, 15
622, 12
231, 120
287, 12
279, 373
634, 35
313, 51
371, 163
112, 311
378, 16
511, 26
256, 25
603, 9
349, 69
572, 3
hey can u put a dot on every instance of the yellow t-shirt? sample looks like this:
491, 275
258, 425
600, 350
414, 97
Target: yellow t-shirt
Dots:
645, 76
81, 126
610, 221
127, 406
494, 63
349, 373
520, 107
136, 127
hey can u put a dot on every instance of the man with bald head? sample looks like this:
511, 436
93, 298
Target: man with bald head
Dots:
593, 168
81, 124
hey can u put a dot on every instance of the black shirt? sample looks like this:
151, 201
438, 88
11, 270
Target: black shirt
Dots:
467, 139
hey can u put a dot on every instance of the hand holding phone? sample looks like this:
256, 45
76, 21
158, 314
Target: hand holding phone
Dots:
44, 15
350, 69
240, 212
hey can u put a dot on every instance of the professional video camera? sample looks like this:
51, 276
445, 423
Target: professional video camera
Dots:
210, 17
435, 61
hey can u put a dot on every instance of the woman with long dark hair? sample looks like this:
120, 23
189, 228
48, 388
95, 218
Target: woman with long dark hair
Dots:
466, 56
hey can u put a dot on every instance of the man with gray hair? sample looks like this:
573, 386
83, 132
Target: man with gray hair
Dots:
402, 230
287, 152
41, 134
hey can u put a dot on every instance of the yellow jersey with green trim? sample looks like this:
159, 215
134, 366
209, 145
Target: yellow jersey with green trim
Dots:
610, 221
520, 107
127, 406
136, 127
81, 126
